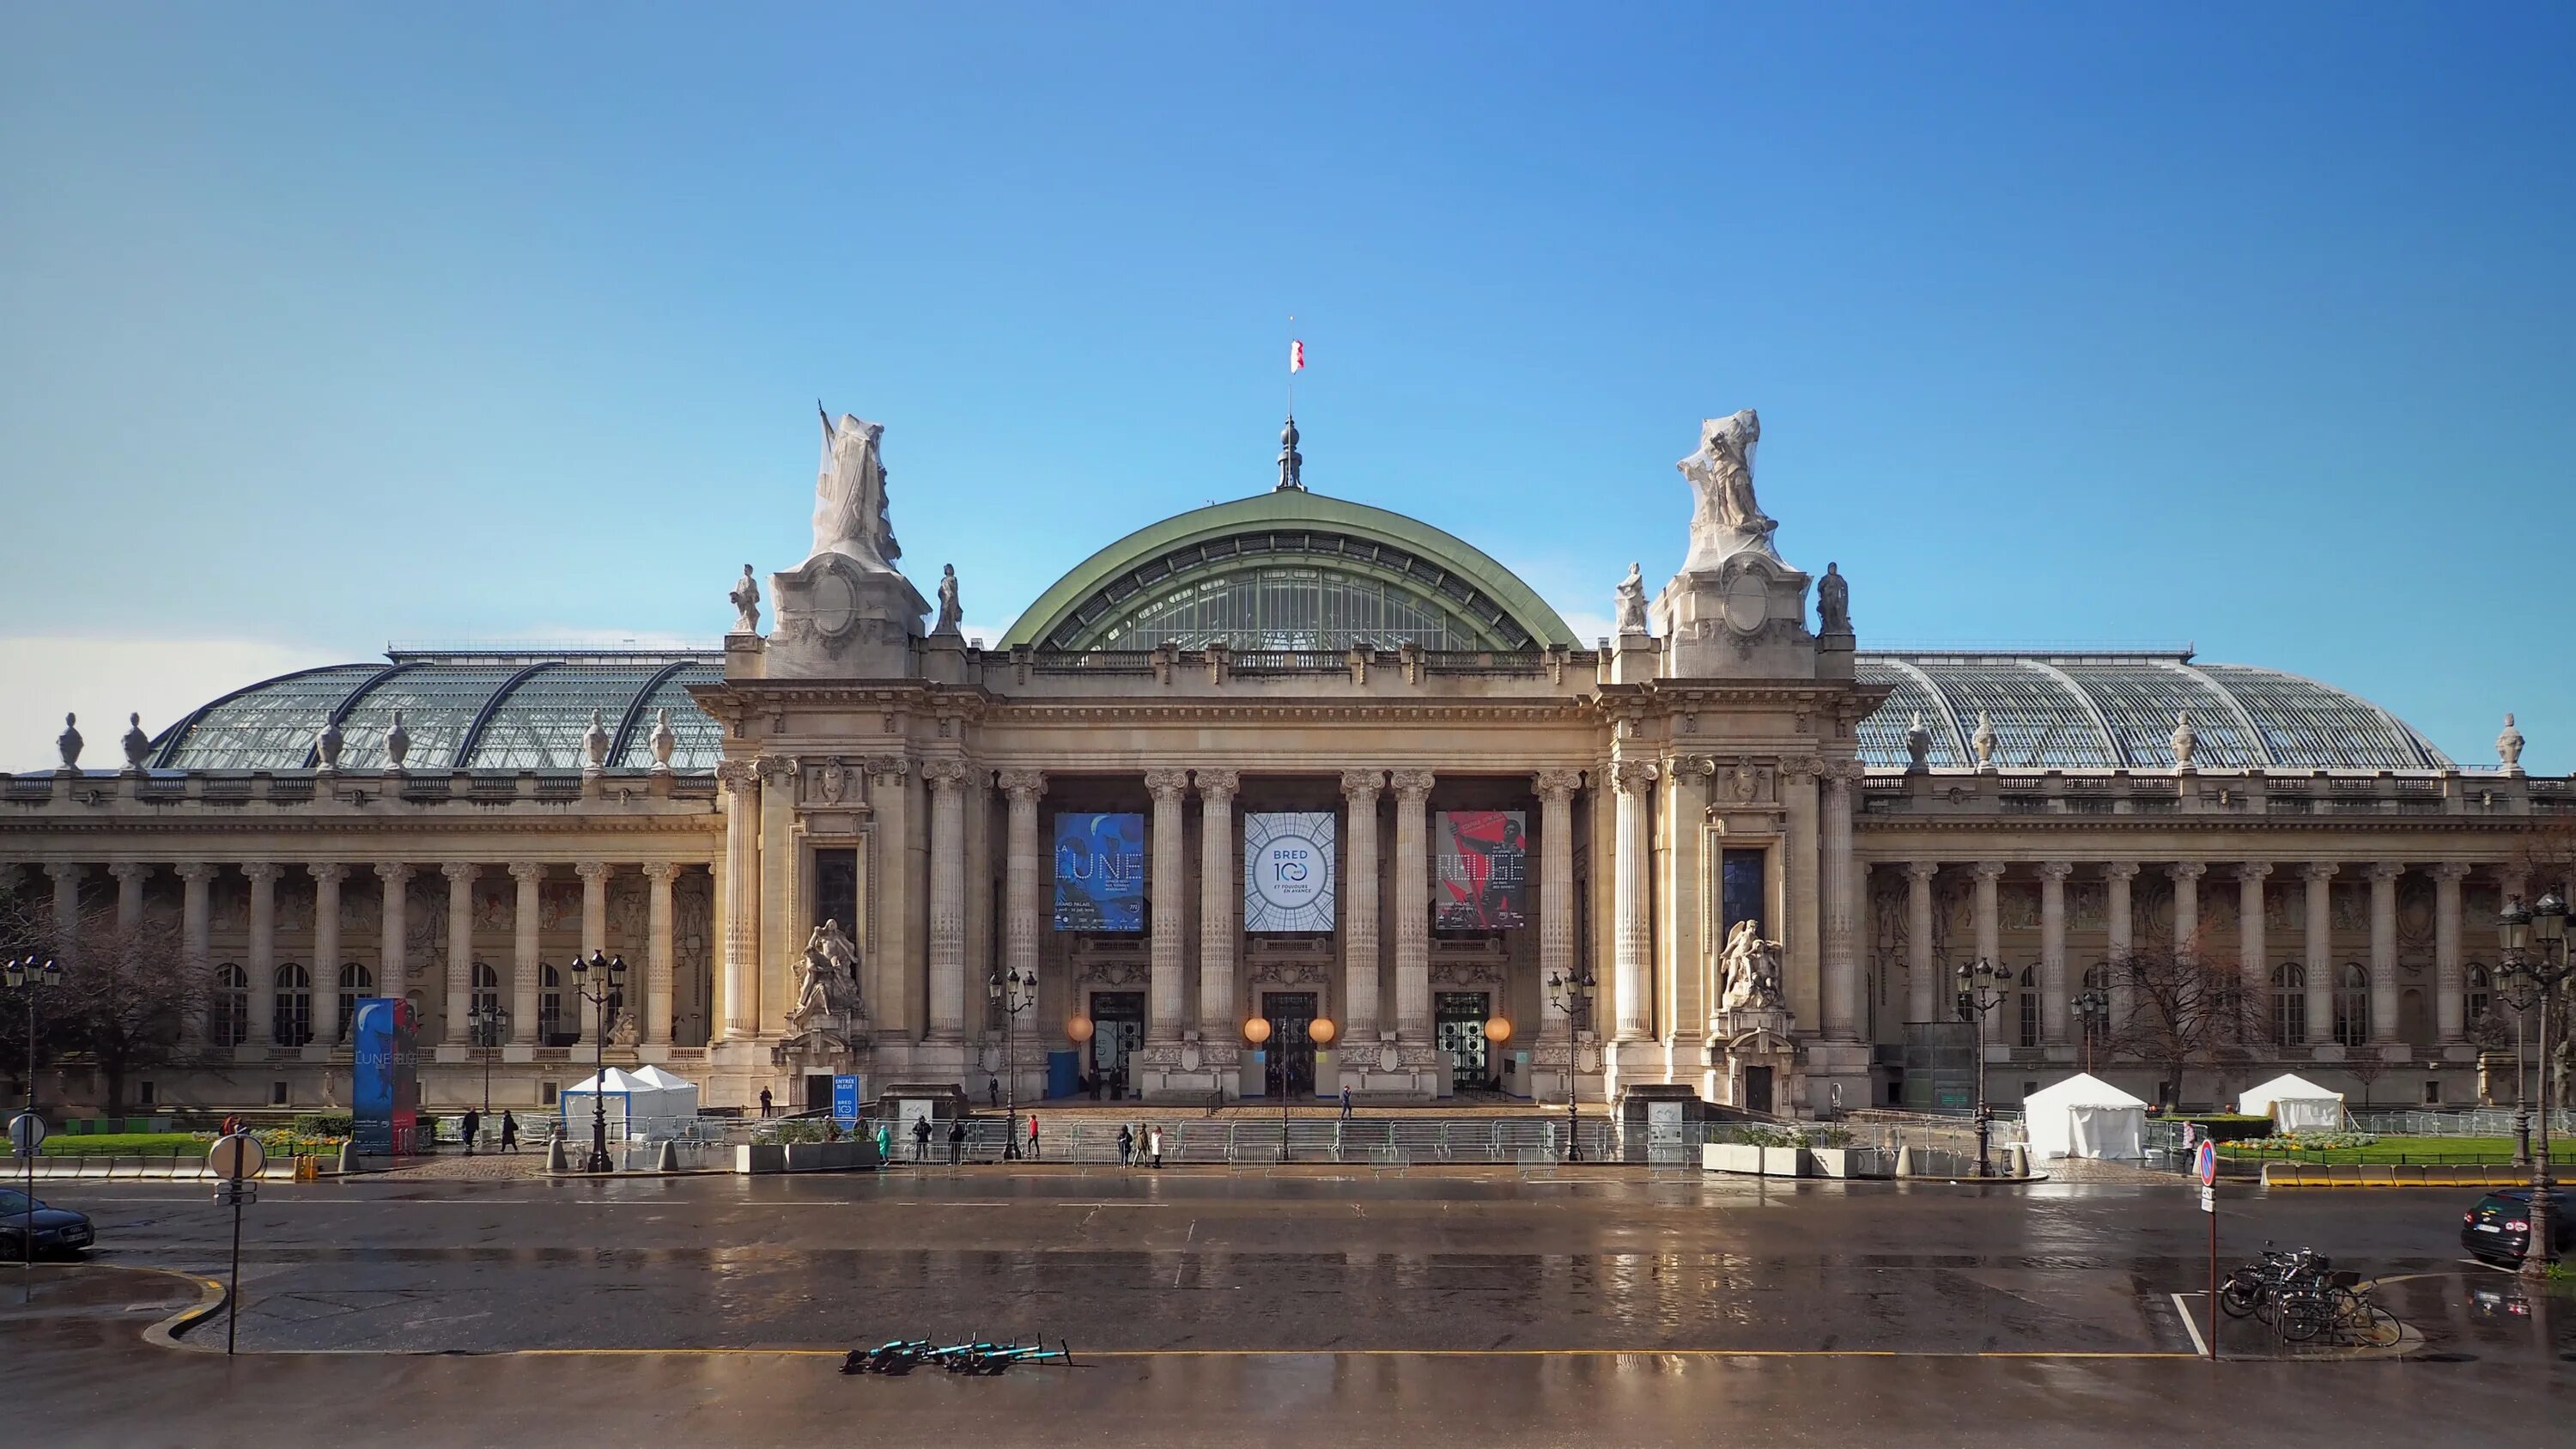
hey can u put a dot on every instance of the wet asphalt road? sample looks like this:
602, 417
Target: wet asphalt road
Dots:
1276, 1308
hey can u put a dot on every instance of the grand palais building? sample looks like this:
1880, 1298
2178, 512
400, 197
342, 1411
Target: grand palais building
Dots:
1298, 759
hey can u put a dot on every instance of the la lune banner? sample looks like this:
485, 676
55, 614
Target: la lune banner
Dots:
1483, 861
1288, 871
1100, 872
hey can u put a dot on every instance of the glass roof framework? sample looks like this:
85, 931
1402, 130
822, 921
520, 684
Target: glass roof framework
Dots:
2116, 711
258, 727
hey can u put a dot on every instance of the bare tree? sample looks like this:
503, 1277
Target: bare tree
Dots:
124, 1001
2365, 1066
2547, 862
2183, 1011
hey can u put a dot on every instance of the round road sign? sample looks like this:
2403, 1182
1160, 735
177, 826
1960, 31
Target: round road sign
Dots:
2204, 1162
237, 1156
26, 1134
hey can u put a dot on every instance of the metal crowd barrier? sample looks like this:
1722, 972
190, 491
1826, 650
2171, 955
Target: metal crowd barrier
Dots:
1249, 1141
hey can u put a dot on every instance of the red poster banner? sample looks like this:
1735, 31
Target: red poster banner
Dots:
1483, 861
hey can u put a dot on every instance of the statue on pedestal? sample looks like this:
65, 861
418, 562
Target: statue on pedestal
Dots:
950, 611
827, 981
1749, 971
850, 496
1833, 602
1725, 519
1632, 602
746, 603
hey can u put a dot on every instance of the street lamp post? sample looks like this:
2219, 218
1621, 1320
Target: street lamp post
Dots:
1570, 993
2543, 925
1010, 994
2521, 993
1983, 986
27, 975
490, 1024
611, 979
2092, 1013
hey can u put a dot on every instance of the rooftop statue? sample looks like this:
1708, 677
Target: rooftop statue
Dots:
950, 611
746, 603
1725, 519
850, 496
1632, 602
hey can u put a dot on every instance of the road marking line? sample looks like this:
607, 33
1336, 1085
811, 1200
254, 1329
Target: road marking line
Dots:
2199, 1346
1151, 1353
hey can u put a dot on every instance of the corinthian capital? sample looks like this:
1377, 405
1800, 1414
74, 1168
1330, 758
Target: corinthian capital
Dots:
740, 776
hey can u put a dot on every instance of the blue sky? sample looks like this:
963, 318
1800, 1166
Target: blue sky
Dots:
326, 327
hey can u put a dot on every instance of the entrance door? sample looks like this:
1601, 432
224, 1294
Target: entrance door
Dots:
1291, 1049
1118, 1028
1757, 1089
1458, 1025
818, 1092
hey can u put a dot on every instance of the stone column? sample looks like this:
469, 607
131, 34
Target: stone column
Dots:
594, 939
1990, 949
2318, 943
1217, 901
2120, 922
2451, 1010
393, 967
1163, 1007
739, 964
1842, 986
130, 876
2052, 951
1801, 859
67, 884
2186, 926
327, 876
262, 964
1412, 906
2250, 947
527, 969
1360, 906
1922, 996
1021, 870
781, 943
460, 950
659, 951
2383, 949
196, 940
947, 782
1555, 789
1632, 930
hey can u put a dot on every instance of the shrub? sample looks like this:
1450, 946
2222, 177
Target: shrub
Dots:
127, 1144
324, 1124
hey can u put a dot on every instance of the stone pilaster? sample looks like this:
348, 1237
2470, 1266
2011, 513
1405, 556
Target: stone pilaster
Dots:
1021, 870
327, 876
1412, 906
1217, 903
2451, 1010
1555, 790
1632, 928
1164, 1006
781, 943
738, 965
947, 782
1360, 906
660, 951
1842, 984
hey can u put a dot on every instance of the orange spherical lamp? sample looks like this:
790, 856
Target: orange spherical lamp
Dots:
1498, 1030
1079, 1029
1256, 1030
1321, 1031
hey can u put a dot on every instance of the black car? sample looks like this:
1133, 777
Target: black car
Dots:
2498, 1229
58, 1230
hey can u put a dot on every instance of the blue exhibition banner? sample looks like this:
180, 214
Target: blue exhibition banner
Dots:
845, 1099
1099, 872
384, 1081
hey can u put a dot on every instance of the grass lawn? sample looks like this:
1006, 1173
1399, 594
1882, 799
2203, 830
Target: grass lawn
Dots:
2446, 1151
125, 1144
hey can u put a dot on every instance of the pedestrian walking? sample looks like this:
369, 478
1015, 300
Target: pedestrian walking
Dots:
921, 1138
993, 1090
1154, 1134
1346, 1101
885, 1143
956, 1140
764, 1101
1033, 1137
470, 1128
509, 1132
1126, 1145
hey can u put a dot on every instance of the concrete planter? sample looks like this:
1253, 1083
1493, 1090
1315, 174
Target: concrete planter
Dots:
759, 1157
1730, 1157
1851, 1162
1784, 1161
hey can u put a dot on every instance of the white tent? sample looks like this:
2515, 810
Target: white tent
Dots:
644, 1103
2294, 1104
2085, 1116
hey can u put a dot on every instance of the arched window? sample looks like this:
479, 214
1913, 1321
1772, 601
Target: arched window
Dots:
2477, 997
293, 1022
2029, 1007
485, 1021
229, 1023
2352, 1005
2411, 1026
355, 981
550, 1008
2289, 1003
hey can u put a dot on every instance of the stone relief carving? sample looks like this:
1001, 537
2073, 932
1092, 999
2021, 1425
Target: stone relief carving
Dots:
625, 1031
1725, 519
1289, 973
1750, 971
1115, 974
827, 981
1466, 973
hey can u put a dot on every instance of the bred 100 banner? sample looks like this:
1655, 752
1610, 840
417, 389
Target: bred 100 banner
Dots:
1288, 871
1484, 871
1100, 872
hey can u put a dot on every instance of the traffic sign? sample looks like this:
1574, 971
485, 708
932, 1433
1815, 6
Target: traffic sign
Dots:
2204, 1162
237, 1156
26, 1134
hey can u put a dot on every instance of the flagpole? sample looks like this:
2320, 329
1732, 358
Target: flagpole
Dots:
1292, 370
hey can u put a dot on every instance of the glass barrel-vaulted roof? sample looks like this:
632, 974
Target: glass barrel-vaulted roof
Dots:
465, 710
2117, 711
